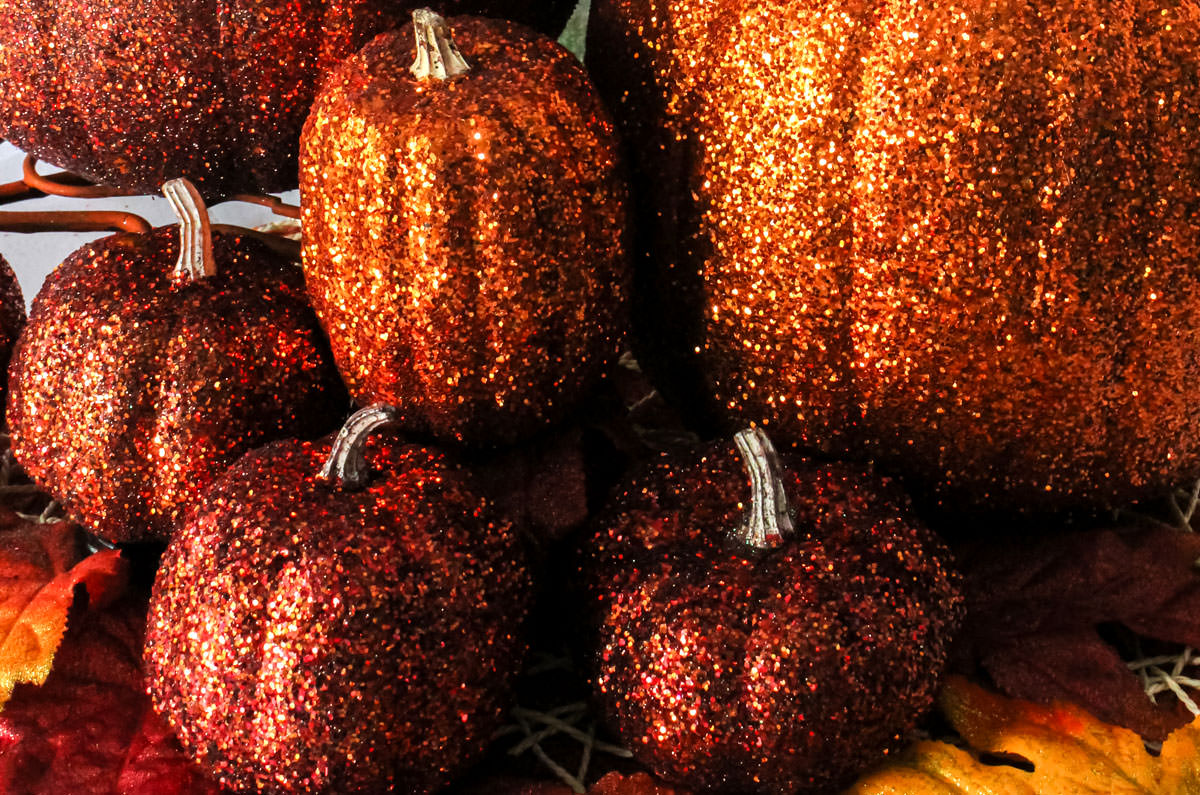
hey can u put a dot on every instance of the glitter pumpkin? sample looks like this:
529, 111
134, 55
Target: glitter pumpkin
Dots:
133, 385
338, 616
465, 231
134, 95
765, 628
959, 237
12, 318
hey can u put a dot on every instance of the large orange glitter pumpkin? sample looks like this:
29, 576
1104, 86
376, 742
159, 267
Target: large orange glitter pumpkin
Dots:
961, 237
348, 629
465, 228
130, 390
134, 95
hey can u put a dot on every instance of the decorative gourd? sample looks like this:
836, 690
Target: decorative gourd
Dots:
962, 238
465, 228
768, 634
338, 616
12, 318
132, 96
132, 387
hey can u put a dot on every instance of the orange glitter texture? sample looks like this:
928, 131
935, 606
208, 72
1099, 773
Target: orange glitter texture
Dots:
465, 238
961, 238
134, 94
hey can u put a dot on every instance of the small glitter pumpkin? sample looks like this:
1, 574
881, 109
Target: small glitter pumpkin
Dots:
12, 318
132, 387
342, 628
132, 96
769, 636
465, 228
960, 237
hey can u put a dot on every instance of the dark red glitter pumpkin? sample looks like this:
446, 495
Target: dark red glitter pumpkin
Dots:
961, 237
465, 228
351, 628
767, 634
131, 389
132, 95
12, 318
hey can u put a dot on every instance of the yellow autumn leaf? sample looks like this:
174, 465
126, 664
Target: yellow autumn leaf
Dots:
40, 567
1070, 751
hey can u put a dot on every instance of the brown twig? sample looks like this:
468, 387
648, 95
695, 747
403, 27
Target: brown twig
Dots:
73, 221
65, 184
272, 203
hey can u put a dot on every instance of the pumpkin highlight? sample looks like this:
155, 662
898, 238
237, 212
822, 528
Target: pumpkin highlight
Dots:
465, 228
131, 390
958, 238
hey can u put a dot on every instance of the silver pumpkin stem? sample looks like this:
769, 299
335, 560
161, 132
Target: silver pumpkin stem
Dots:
196, 259
767, 521
437, 55
347, 462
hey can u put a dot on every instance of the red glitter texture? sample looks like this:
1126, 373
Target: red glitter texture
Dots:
129, 393
465, 238
305, 637
772, 671
134, 94
12, 318
959, 237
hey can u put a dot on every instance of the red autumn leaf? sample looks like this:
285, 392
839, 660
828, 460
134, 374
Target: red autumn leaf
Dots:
41, 565
1034, 611
90, 727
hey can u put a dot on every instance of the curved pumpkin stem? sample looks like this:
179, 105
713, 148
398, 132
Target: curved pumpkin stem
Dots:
347, 462
767, 521
437, 55
196, 259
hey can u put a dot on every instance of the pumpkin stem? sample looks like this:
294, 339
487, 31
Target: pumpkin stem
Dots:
767, 520
347, 462
196, 259
437, 55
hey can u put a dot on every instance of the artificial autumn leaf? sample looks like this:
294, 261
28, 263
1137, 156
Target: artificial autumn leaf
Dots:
1068, 749
90, 727
40, 567
1034, 610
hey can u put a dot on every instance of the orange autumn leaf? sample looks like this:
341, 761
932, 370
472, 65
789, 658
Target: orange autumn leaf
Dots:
1067, 748
40, 567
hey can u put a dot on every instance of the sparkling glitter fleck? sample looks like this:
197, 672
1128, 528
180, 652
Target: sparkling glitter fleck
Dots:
129, 393
307, 637
12, 318
465, 238
131, 95
777, 670
960, 237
